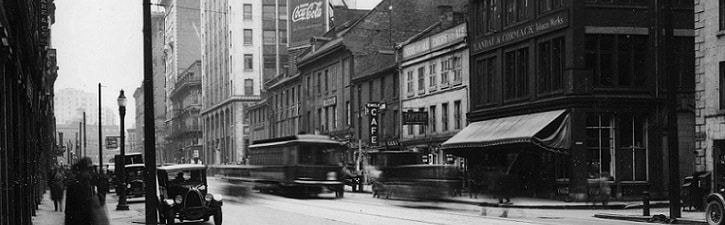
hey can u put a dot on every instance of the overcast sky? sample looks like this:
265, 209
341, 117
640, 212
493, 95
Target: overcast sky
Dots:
101, 41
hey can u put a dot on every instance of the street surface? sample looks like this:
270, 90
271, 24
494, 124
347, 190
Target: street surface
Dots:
362, 208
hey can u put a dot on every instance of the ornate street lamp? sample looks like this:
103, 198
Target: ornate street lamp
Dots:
122, 171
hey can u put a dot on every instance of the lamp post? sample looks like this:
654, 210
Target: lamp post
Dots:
122, 171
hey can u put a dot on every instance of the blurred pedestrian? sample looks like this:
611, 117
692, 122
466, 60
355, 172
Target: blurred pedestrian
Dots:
102, 185
57, 184
82, 205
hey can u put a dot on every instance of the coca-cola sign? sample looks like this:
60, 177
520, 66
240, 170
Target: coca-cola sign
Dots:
307, 11
308, 18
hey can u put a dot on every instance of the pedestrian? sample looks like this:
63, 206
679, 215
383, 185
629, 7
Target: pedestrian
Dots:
102, 185
82, 205
57, 184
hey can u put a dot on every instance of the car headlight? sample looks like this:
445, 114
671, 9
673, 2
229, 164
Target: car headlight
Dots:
208, 197
169, 201
331, 175
128, 186
178, 199
217, 197
202, 187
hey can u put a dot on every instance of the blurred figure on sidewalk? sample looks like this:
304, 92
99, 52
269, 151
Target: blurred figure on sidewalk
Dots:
102, 185
57, 184
82, 205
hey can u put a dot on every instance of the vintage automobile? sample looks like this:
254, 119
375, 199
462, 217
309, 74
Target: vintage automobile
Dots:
134, 180
183, 194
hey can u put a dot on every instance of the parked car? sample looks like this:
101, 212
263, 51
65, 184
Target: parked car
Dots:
135, 180
183, 194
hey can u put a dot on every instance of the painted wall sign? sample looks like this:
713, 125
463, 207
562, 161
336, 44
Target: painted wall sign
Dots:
534, 28
415, 118
432, 43
329, 101
308, 18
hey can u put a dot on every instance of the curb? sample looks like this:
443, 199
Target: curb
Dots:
643, 218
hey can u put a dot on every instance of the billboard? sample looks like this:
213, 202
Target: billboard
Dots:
308, 18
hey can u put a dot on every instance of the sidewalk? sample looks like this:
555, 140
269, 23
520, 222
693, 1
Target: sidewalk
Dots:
687, 217
135, 214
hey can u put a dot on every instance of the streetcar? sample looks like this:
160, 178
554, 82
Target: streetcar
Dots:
299, 165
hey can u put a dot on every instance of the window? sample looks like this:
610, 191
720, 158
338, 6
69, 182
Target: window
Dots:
327, 79
551, 65
334, 116
457, 115
410, 82
382, 88
308, 84
293, 95
370, 91
625, 159
421, 79
492, 15
270, 62
432, 78
444, 117
486, 70
445, 67
247, 12
421, 128
722, 14
319, 82
282, 10
457, 68
617, 60
248, 87
548, 5
395, 86
247, 36
269, 37
516, 80
248, 62
326, 123
515, 11
319, 120
410, 127
268, 12
432, 118
722, 85
283, 37
348, 113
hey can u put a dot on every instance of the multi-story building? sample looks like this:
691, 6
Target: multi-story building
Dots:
159, 81
710, 89
435, 82
71, 103
284, 104
350, 75
259, 121
572, 90
132, 144
138, 130
73, 135
244, 42
185, 138
182, 47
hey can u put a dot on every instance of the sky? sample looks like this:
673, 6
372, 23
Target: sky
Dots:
102, 41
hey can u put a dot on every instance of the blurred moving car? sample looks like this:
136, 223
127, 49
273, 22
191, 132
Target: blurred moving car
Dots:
183, 194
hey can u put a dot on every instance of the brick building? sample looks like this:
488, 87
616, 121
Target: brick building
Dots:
568, 90
185, 138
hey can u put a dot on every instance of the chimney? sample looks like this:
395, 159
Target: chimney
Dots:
445, 15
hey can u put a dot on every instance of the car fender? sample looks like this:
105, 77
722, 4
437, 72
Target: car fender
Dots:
716, 197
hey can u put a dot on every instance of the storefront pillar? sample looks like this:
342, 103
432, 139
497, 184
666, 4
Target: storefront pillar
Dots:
578, 152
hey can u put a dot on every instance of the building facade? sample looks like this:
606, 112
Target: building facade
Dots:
159, 80
71, 103
244, 42
138, 130
185, 138
571, 90
435, 81
710, 92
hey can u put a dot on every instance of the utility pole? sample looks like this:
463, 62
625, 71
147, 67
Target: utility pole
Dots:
78, 139
85, 144
100, 133
149, 129
672, 131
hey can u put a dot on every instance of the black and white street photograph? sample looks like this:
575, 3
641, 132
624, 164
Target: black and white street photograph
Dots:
362, 112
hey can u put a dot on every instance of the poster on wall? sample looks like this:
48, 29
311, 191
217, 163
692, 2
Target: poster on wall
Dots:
307, 18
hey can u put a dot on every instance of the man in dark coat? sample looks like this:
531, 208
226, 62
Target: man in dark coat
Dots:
82, 206
57, 185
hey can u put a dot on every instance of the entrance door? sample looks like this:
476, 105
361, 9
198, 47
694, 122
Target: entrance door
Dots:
719, 161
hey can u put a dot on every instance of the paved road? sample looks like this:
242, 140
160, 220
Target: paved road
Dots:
360, 208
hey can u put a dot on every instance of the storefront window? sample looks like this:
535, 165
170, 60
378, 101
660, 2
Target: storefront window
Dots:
616, 146
617, 60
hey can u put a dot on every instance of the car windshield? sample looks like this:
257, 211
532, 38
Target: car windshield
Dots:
185, 177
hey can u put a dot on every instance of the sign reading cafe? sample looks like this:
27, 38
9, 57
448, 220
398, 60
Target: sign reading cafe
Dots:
373, 109
538, 27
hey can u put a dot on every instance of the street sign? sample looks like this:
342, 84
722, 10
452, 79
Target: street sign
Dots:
112, 142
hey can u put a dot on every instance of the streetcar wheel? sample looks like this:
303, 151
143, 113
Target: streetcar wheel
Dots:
714, 213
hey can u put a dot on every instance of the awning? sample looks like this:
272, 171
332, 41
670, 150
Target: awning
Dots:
549, 130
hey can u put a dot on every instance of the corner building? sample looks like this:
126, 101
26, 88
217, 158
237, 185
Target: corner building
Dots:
568, 90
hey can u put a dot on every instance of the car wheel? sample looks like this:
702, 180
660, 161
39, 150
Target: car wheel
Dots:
218, 217
170, 216
714, 213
